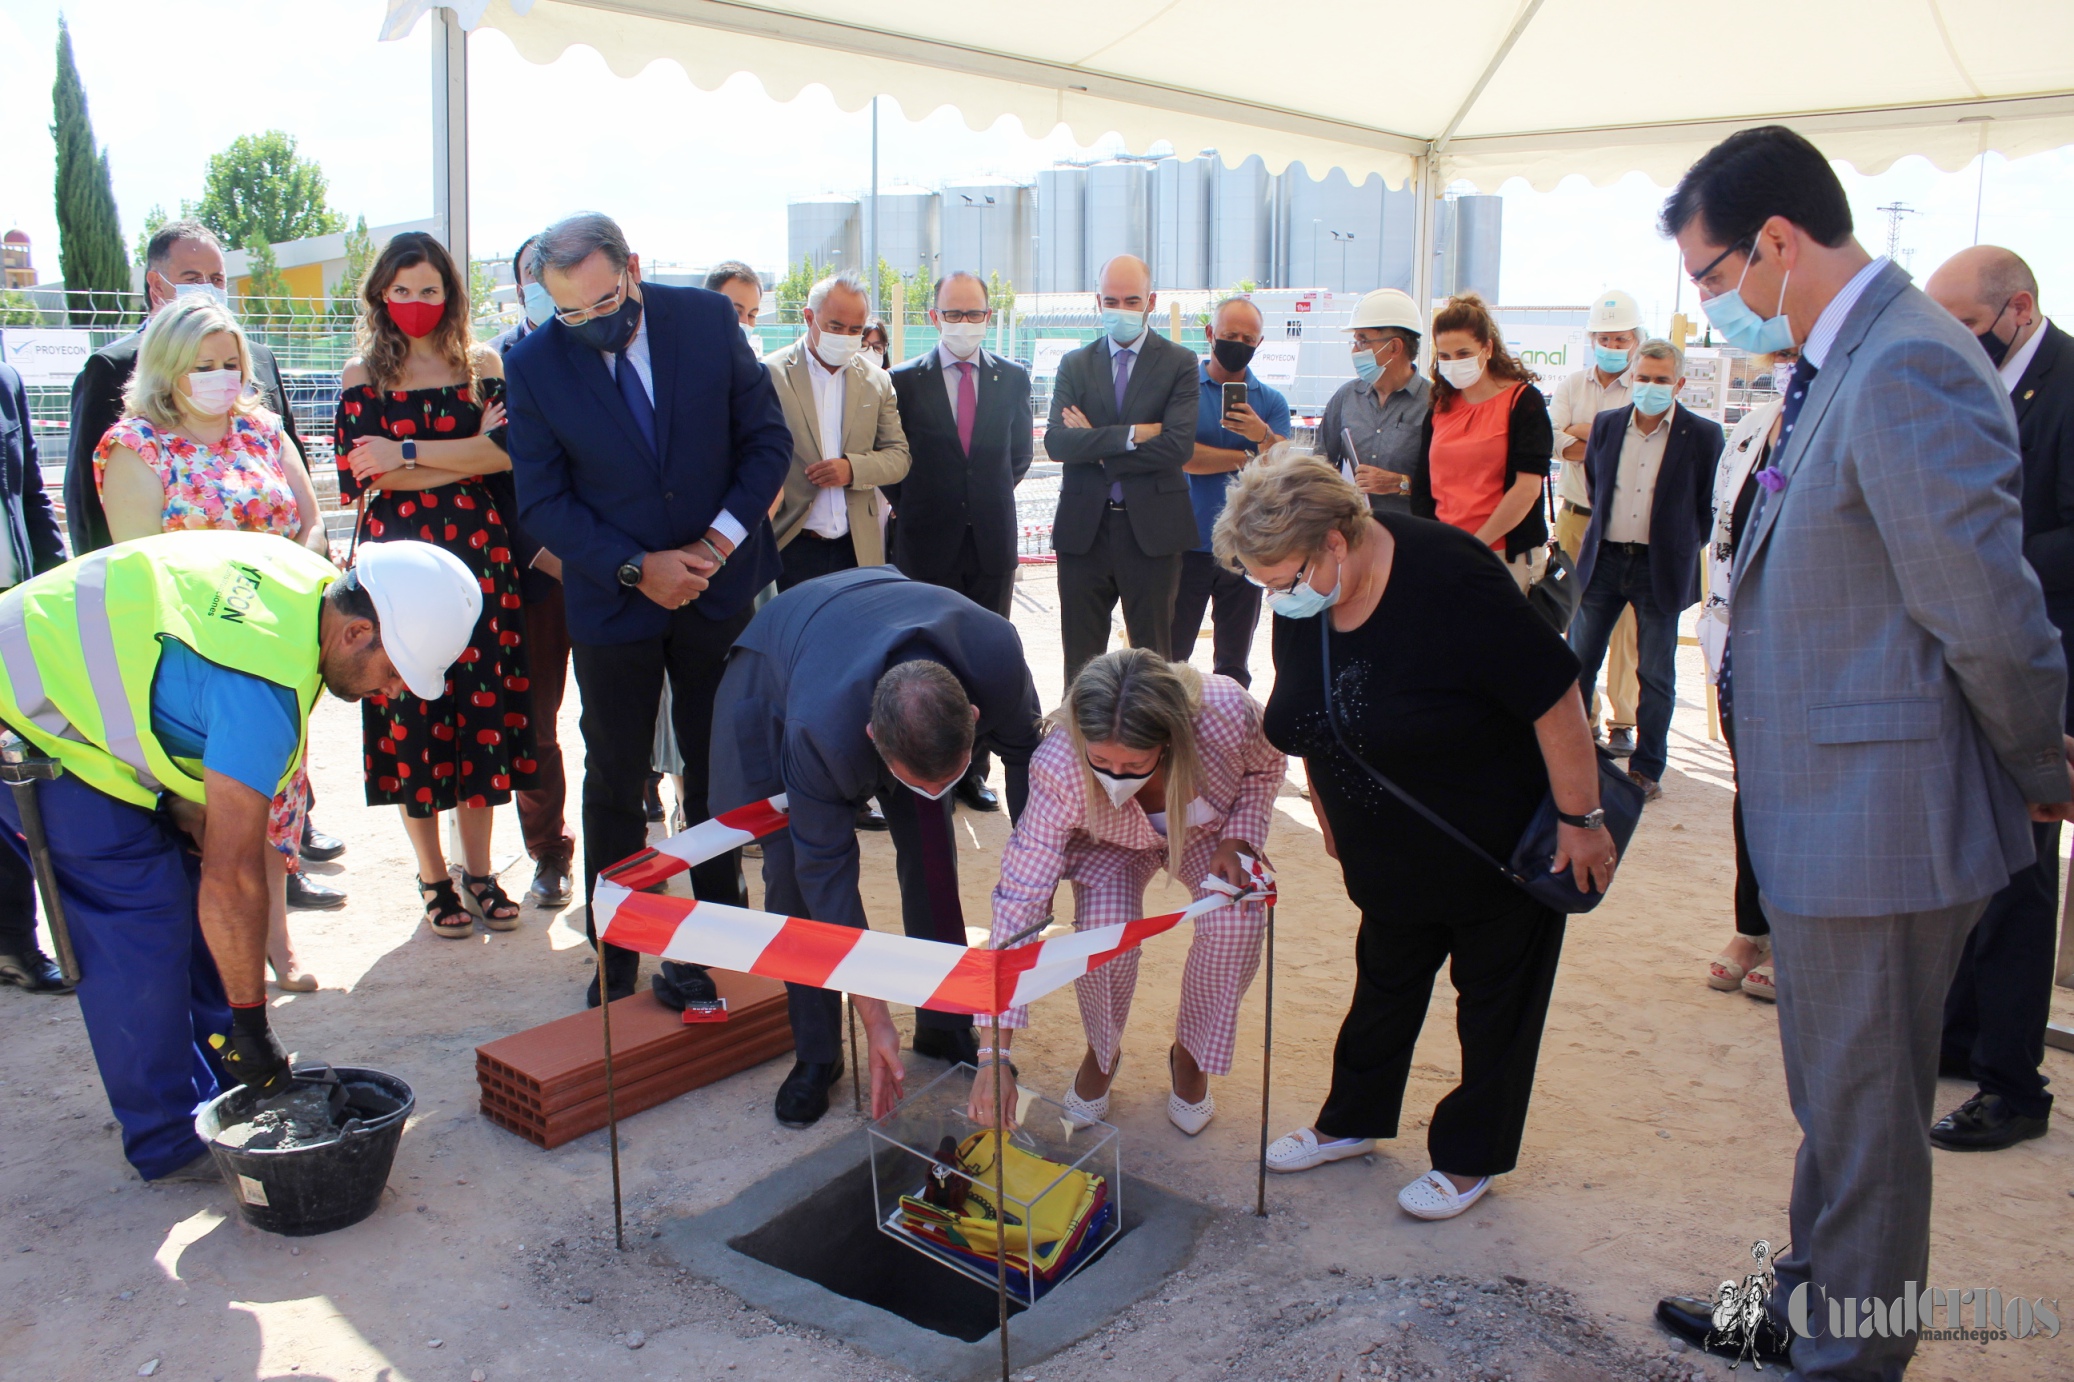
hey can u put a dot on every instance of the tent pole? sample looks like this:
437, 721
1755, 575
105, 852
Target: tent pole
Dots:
450, 132
1424, 199
871, 252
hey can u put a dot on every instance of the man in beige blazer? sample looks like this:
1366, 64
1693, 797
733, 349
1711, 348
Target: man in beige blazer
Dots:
846, 438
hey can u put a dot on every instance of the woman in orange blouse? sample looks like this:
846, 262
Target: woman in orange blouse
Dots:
1488, 440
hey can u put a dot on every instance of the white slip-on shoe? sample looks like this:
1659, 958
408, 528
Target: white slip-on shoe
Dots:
1433, 1196
1084, 1113
1191, 1118
1301, 1150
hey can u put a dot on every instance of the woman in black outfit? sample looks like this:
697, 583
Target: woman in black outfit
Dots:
1448, 683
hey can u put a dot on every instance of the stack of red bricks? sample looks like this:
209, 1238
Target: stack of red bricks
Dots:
548, 1084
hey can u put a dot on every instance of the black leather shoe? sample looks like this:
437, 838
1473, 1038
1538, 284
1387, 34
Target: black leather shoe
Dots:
622, 970
676, 985
317, 847
1692, 1320
307, 893
803, 1098
550, 884
953, 1044
1984, 1123
977, 795
34, 971
1620, 742
869, 817
652, 797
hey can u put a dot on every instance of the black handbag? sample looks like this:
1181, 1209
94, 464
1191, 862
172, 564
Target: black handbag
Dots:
1556, 595
1527, 869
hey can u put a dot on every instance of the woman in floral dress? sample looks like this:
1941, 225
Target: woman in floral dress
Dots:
196, 451
420, 423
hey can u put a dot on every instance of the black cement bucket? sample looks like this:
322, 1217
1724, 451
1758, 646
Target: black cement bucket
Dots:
298, 1191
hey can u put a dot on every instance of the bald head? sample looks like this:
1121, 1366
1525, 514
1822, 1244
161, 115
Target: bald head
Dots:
1125, 281
1991, 291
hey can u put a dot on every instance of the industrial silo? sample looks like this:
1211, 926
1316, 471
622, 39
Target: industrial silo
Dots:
825, 231
908, 229
1332, 232
1118, 214
1467, 237
987, 230
1181, 221
1062, 231
1241, 225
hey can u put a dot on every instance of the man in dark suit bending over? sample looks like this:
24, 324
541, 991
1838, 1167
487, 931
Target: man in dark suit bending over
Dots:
859, 684
967, 416
1123, 423
648, 445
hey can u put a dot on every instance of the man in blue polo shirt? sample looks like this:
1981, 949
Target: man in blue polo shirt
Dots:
1224, 441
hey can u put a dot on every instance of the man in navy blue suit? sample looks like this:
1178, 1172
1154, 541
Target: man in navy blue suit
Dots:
1651, 468
648, 445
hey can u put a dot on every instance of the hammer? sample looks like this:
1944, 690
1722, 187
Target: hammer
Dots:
21, 768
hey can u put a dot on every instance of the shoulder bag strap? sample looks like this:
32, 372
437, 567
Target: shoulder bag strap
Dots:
1332, 719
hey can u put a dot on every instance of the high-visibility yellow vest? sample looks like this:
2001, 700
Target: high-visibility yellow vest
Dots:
79, 647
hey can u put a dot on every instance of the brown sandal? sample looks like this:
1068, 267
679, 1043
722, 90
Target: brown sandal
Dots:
444, 912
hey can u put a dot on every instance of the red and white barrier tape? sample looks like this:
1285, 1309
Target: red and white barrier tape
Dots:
898, 969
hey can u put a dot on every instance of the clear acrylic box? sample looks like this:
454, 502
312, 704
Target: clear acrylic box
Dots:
904, 1146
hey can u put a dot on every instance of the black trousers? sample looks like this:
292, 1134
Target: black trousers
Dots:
17, 906
809, 555
1234, 605
1750, 918
1115, 568
992, 593
2001, 998
1503, 970
621, 684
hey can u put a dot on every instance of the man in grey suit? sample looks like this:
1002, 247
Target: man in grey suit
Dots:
1896, 691
1123, 423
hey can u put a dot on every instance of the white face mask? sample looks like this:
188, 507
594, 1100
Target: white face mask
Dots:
212, 392
755, 341
962, 339
836, 351
214, 293
1121, 788
1461, 373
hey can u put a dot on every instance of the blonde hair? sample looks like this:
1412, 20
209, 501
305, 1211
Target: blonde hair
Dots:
1136, 698
172, 342
1283, 506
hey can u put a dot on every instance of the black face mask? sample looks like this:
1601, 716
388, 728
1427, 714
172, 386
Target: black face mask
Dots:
1994, 345
1232, 356
610, 333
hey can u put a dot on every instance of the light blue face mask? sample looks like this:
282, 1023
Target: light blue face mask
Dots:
1650, 399
211, 291
1365, 367
1123, 327
1609, 360
1303, 601
1741, 327
539, 306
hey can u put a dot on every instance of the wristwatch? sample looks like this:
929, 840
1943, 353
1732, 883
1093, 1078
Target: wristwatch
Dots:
630, 573
410, 454
1593, 819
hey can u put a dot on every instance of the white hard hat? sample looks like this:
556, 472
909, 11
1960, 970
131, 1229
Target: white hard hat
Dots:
1387, 307
1614, 310
427, 601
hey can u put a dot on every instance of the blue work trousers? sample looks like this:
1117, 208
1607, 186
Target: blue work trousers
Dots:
1620, 578
148, 987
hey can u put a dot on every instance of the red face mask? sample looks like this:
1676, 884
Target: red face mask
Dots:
415, 319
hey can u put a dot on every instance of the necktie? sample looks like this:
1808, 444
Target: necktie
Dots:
1770, 480
1123, 383
636, 397
968, 404
940, 867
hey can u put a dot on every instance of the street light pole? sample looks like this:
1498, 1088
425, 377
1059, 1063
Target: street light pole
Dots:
871, 252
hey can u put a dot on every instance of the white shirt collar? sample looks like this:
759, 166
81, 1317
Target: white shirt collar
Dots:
2017, 361
1823, 336
1663, 426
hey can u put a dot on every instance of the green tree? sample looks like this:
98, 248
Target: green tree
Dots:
888, 278
792, 290
90, 252
483, 311
1000, 295
153, 219
265, 303
921, 293
345, 294
17, 308
261, 186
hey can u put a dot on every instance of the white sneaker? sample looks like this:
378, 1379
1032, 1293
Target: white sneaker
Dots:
1085, 1113
1301, 1150
1433, 1196
1191, 1118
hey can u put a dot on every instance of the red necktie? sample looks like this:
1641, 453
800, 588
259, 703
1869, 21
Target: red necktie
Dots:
968, 404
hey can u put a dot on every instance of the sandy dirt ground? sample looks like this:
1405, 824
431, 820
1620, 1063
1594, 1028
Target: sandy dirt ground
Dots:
1659, 1147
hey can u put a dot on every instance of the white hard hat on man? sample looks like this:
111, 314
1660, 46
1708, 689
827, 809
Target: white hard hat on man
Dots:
1614, 310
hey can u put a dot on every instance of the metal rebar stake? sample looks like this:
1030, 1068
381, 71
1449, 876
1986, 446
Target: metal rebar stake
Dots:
1000, 1198
619, 1232
1267, 1057
856, 1066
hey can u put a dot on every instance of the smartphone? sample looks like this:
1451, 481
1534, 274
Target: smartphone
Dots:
1234, 397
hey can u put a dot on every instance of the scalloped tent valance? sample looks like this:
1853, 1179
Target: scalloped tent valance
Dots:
1489, 89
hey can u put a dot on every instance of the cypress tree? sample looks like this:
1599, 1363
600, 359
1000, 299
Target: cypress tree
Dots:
91, 255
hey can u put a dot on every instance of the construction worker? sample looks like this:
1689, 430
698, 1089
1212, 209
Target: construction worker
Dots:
1614, 329
172, 679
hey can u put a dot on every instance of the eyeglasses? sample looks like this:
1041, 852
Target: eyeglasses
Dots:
1294, 581
602, 308
974, 315
1741, 247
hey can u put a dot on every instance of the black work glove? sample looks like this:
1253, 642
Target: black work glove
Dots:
252, 1055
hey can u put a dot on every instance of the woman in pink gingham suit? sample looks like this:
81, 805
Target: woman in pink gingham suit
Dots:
1139, 742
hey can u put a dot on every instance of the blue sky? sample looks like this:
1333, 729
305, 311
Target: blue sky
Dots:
699, 176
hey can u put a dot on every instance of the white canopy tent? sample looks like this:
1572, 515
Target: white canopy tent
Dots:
1466, 90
